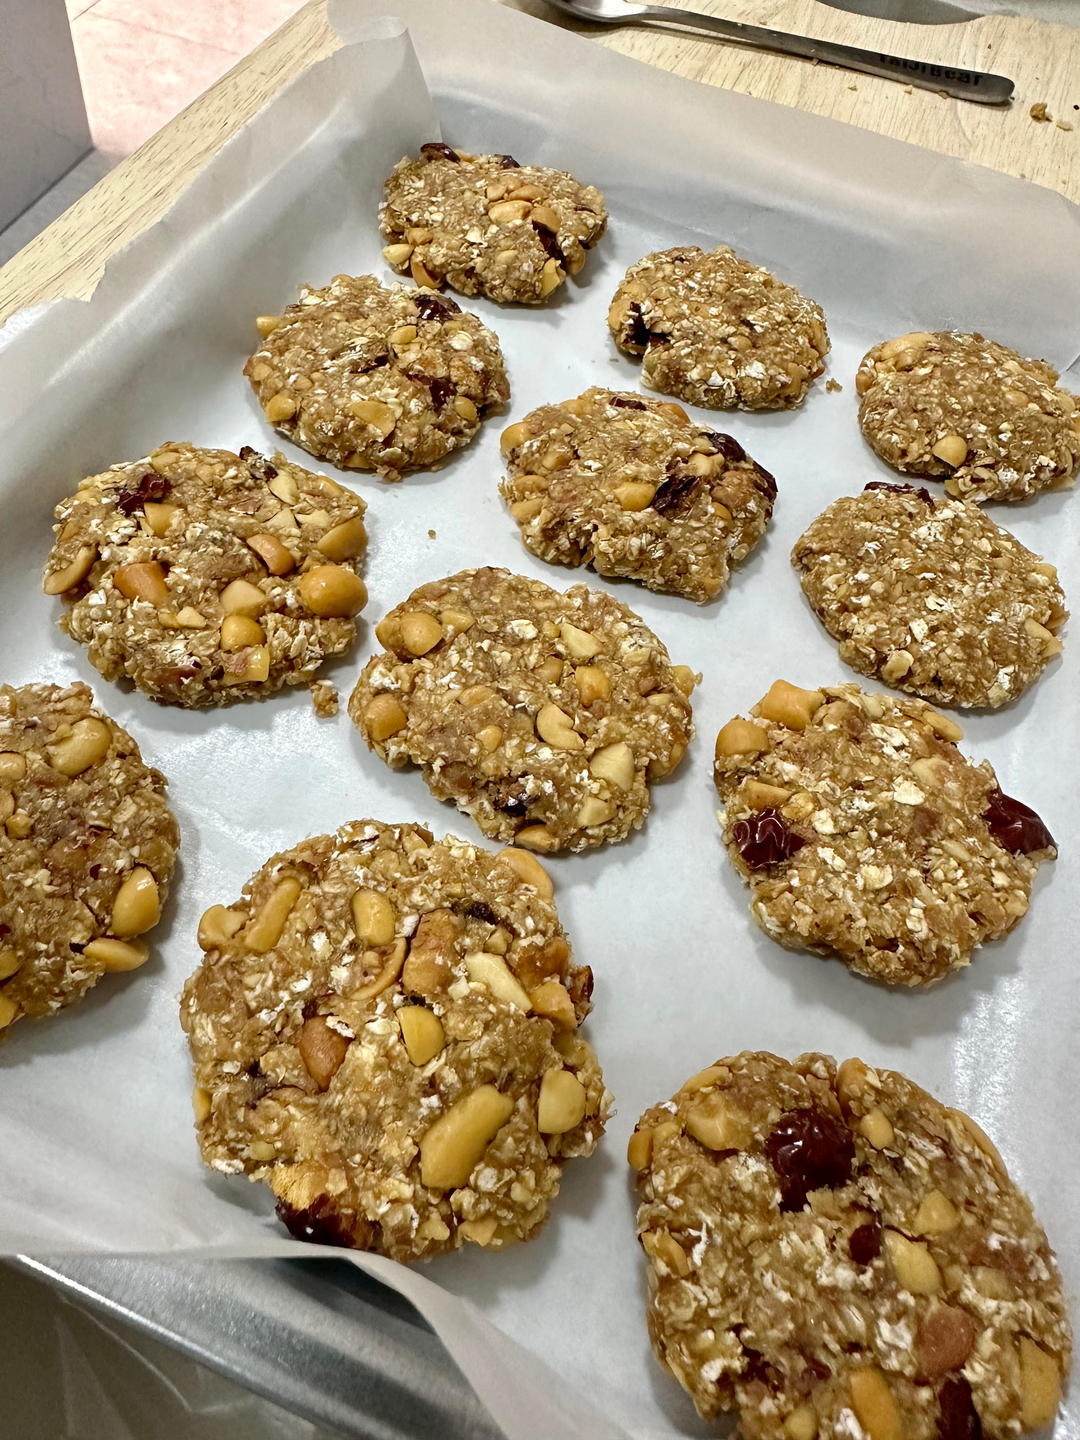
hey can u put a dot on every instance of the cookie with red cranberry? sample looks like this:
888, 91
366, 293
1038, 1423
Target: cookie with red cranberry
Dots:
385, 1030
87, 845
864, 832
633, 489
833, 1252
931, 595
718, 331
485, 225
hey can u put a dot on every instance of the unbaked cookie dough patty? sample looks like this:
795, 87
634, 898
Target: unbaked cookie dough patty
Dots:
931, 595
384, 1029
207, 577
970, 411
380, 378
485, 225
864, 832
634, 489
542, 714
718, 331
834, 1253
87, 844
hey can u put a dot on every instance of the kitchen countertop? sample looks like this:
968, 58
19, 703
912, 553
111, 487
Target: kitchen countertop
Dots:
1044, 60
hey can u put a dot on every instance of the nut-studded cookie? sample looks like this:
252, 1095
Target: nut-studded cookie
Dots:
87, 844
931, 595
632, 488
864, 832
372, 377
970, 411
545, 715
384, 1029
718, 331
485, 225
207, 577
832, 1252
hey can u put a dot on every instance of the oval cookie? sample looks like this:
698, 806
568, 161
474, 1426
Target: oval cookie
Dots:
207, 577
833, 1252
384, 1029
633, 489
864, 832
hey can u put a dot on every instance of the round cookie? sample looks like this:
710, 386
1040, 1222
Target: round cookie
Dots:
832, 1252
931, 595
485, 225
633, 489
207, 577
544, 715
717, 331
377, 378
384, 1029
87, 844
865, 833
967, 410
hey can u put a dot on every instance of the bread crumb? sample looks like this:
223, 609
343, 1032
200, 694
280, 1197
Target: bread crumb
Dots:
431, 534
1063, 124
324, 697
908, 90
1040, 113
853, 87
833, 385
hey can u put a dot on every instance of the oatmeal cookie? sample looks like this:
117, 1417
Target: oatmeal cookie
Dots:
384, 1029
718, 331
832, 1252
931, 595
967, 410
207, 577
632, 488
864, 832
377, 378
485, 225
87, 844
542, 714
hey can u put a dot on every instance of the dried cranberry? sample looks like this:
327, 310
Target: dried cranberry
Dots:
765, 838
549, 242
727, 446
1014, 825
436, 150
809, 1150
765, 483
635, 331
436, 307
257, 464
151, 486
362, 364
758, 1368
626, 402
441, 389
675, 494
318, 1223
959, 1418
579, 984
921, 492
508, 162
864, 1243
480, 910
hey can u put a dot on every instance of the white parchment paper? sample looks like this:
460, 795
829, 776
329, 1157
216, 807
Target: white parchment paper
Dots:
96, 1146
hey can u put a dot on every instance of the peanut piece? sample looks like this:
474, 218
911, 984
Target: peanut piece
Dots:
466, 409
483, 968
373, 917
345, 541
240, 597
117, 955
952, 449
375, 414
456, 622
529, 870
915, 1268
159, 516
639, 1149
664, 764
88, 743
10, 964
71, 575
635, 495
420, 631
455, 1144
942, 725
554, 726
145, 580
562, 1102
876, 1127
8, 1011
255, 667
200, 1104
592, 683
490, 737
685, 679
718, 1124
508, 212
551, 277
937, 1215
393, 958
279, 407
397, 256
321, 1049
186, 618
12, 767
551, 1000
421, 1032
536, 837
788, 705
544, 215
898, 664
240, 631
513, 436
383, 717
217, 926
332, 590
402, 336
759, 796
662, 1246
614, 763
277, 558
741, 737
550, 670
137, 907
1040, 1384
801, 1424
19, 825
594, 811
431, 953
264, 930
875, 1405
580, 645
975, 1132
267, 324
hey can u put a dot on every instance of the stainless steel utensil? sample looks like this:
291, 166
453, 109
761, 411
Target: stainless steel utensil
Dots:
911, 12
963, 84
